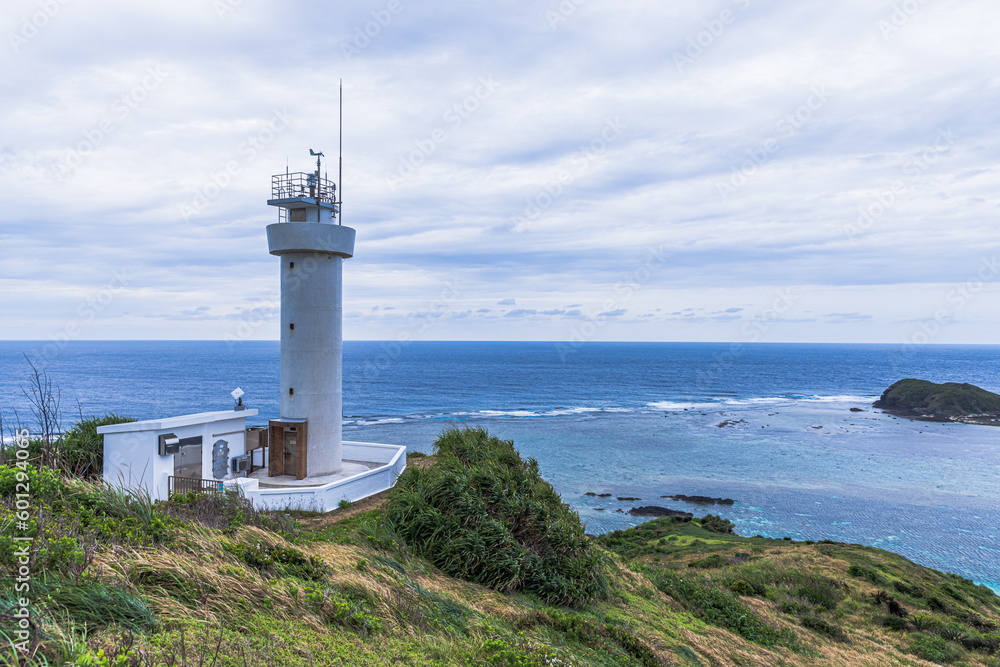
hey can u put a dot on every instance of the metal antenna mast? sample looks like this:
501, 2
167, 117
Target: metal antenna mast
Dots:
340, 176
319, 183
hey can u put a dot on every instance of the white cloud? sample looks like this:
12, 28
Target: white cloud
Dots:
823, 128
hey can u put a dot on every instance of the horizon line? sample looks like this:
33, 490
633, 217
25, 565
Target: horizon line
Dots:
62, 343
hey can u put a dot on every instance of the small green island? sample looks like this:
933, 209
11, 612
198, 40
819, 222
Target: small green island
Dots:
471, 559
947, 402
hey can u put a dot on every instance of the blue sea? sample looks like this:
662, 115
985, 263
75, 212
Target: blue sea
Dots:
631, 419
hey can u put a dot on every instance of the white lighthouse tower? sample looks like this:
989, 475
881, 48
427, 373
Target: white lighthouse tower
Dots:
312, 246
304, 462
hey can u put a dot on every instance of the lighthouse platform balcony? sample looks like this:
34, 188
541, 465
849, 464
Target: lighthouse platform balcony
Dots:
296, 193
286, 238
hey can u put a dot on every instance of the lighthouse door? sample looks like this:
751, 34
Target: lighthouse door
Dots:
287, 448
291, 450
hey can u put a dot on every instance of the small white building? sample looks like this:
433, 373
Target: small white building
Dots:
215, 451
162, 456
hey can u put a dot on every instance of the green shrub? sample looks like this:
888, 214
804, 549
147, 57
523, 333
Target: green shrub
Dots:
715, 560
985, 643
804, 590
907, 589
499, 652
80, 451
954, 593
95, 605
821, 626
485, 515
597, 634
870, 576
339, 611
742, 587
121, 516
933, 648
952, 632
42, 483
893, 623
59, 545
70, 519
790, 605
821, 591
278, 560
226, 511
979, 622
925, 622
937, 605
717, 524
719, 607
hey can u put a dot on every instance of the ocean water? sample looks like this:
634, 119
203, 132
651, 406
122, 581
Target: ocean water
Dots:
631, 419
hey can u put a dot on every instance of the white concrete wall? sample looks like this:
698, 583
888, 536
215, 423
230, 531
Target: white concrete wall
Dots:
311, 237
327, 497
311, 353
371, 451
131, 450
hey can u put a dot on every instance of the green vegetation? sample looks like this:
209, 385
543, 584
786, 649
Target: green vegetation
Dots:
81, 449
717, 524
79, 452
935, 649
485, 515
922, 398
276, 560
74, 519
119, 581
719, 607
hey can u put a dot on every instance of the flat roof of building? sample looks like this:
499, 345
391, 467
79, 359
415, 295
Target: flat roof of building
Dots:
177, 422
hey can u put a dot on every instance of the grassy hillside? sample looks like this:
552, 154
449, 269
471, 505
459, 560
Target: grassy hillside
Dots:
206, 580
921, 398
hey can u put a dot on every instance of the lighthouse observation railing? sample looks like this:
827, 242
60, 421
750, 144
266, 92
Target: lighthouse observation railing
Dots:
301, 184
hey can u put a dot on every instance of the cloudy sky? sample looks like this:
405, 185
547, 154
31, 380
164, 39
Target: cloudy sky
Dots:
727, 170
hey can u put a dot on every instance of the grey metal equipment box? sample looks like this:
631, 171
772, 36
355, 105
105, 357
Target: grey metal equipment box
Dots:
241, 464
169, 444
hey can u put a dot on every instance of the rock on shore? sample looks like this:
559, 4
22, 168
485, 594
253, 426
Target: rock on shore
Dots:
653, 510
701, 500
